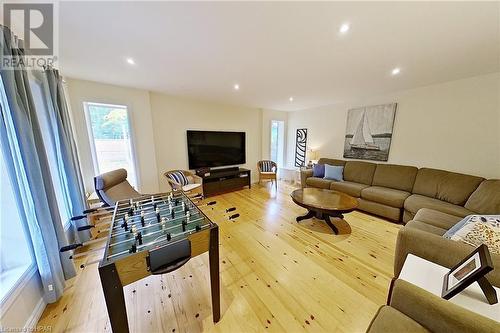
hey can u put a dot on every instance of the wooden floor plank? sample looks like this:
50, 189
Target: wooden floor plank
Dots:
277, 275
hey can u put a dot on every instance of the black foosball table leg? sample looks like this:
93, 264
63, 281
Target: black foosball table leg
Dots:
115, 299
214, 272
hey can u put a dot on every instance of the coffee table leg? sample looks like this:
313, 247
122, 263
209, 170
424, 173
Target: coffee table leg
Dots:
310, 214
330, 224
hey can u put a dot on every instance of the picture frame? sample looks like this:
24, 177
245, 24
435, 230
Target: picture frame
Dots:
469, 270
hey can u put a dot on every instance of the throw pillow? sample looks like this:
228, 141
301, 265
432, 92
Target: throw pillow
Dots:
476, 230
319, 170
334, 172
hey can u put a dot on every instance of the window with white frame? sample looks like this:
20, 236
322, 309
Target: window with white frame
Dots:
110, 139
277, 149
12, 238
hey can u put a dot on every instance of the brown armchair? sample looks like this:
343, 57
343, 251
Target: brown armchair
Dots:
185, 181
267, 170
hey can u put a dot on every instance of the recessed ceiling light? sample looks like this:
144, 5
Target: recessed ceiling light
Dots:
236, 87
130, 61
291, 99
344, 28
396, 71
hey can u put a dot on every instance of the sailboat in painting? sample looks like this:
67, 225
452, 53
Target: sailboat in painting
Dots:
362, 138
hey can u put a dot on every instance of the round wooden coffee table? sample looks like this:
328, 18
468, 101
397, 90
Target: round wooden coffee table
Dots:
324, 204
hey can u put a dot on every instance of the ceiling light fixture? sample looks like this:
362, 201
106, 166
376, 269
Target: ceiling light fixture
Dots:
236, 87
130, 61
396, 71
344, 28
291, 99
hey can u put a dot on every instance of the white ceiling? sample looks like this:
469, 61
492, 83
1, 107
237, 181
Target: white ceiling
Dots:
277, 50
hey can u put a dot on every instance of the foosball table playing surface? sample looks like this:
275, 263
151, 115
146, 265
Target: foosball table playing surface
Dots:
155, 235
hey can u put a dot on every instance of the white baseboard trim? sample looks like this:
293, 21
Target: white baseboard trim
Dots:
35, 315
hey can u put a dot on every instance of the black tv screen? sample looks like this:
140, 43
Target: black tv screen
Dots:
208, 149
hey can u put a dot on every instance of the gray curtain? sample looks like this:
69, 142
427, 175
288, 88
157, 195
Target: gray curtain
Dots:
28, 167
65, 147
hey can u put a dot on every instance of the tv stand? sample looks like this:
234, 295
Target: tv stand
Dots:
225, 180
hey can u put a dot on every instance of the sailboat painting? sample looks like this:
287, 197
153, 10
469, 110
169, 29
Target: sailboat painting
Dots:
369, 132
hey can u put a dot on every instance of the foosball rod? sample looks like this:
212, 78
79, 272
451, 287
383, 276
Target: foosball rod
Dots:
86, 253
77, 245
152, 217
163, 229
147, 244
90, 226
149, 225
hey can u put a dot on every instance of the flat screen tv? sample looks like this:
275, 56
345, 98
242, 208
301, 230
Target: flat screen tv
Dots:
208, 149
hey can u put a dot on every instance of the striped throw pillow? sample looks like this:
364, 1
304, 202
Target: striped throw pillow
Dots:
178, 177
266, 166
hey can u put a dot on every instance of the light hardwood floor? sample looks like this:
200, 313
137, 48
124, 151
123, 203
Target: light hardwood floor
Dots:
276, 276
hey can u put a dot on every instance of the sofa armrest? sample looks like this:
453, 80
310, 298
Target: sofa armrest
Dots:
304, 174
435, 248
437, 314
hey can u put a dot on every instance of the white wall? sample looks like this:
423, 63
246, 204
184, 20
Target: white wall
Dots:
138, 104
453, 126
172, 116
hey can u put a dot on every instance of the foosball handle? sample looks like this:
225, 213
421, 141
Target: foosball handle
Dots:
232, 209
70, 247
76, 218
88, 211
211, 203
85, 227
234, 216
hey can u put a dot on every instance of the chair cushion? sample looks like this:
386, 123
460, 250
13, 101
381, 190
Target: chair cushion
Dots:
436, 218
331, 161
398, 177
334, 172
189, 187
415, 201
119, 192
486, 198
318, 182
350, 188
386, 196
447, 186
266, 166
359, 172
389, 319
178, 177
426, 227
110, 179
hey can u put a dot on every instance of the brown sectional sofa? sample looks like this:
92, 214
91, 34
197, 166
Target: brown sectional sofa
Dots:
397, 192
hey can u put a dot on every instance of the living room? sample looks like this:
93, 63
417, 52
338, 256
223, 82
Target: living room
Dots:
334, 165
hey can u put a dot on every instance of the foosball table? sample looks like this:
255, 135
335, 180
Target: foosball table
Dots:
155, 235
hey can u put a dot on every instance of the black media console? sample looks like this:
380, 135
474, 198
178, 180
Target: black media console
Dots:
225, 180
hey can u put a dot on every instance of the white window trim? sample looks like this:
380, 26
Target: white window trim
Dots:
132, 138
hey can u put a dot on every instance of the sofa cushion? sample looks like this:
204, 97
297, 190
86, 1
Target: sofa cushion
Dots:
415, 201
318, 182
486, 198
350, 188
118, 192
452, 187
386, 196
359, 172
436, 218
391, 213
334, 172
426, 227
331, 161
399, 177
389, 319
319, 170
